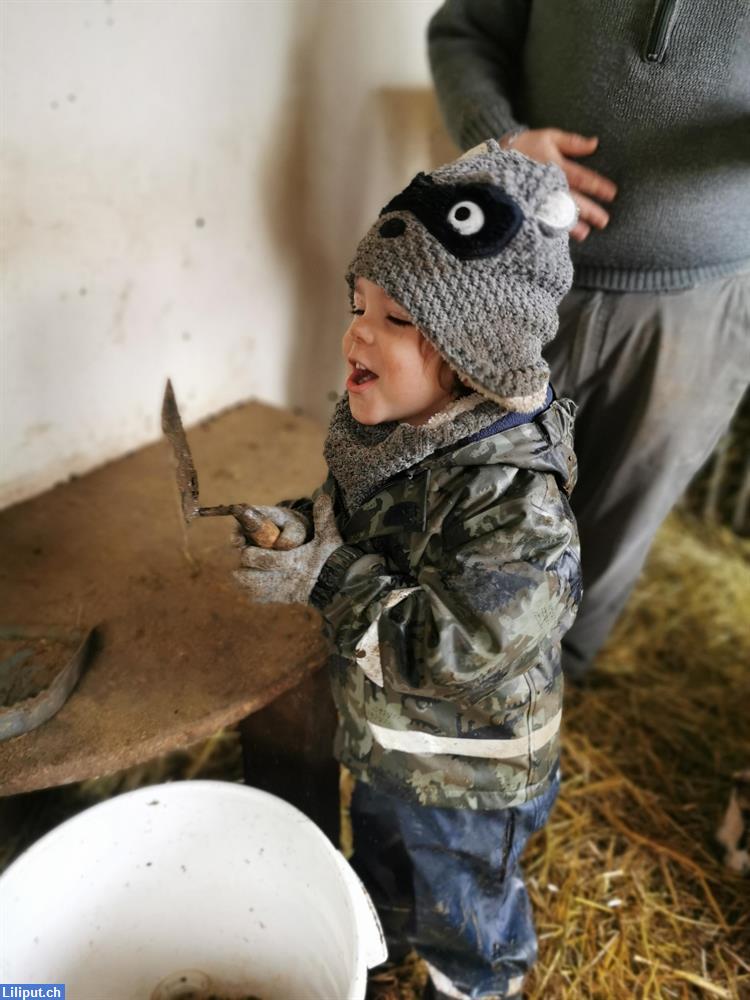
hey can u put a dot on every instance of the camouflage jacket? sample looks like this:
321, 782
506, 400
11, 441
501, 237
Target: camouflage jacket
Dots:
446, 605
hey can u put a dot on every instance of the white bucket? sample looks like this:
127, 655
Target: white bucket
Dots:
205, 887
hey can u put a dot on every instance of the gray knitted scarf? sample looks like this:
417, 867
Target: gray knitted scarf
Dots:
361, 457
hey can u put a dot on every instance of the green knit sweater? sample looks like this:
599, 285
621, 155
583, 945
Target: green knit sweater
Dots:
665, 84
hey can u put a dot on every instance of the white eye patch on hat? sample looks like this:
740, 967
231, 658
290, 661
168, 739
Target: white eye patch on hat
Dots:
466, 217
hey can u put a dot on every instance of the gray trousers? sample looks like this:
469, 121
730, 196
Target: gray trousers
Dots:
657, 378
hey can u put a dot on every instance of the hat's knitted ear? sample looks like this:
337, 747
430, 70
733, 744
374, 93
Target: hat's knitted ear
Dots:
477, 251
482, 148
558, 212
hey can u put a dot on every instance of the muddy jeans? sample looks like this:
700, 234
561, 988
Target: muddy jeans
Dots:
657, 378
447, 882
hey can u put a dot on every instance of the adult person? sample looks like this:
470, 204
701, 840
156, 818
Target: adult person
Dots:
646, 107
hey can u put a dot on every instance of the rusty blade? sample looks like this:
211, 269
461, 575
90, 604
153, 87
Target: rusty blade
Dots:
187, 478
259, 529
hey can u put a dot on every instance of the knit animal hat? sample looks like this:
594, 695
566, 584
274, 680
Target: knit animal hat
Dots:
477, 252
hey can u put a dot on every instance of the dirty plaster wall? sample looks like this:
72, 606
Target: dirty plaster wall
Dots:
183, 182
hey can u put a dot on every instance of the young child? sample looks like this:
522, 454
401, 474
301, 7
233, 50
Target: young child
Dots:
443, 555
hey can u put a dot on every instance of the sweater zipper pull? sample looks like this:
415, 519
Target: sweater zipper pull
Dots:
661, 30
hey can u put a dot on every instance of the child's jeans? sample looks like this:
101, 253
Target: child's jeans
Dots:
448, 883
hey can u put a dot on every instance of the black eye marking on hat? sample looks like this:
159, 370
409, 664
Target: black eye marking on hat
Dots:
471, 220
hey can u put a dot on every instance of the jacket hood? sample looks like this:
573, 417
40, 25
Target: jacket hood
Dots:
544, 444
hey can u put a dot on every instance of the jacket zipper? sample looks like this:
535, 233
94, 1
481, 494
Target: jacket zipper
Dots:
661, 29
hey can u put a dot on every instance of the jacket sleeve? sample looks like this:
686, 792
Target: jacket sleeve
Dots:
303, 505
475, 49
481, 602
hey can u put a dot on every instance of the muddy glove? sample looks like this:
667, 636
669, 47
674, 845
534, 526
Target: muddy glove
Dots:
287, 577
294, 526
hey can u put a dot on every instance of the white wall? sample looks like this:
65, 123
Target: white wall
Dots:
183, 182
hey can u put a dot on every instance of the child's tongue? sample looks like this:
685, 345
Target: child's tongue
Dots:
363, 375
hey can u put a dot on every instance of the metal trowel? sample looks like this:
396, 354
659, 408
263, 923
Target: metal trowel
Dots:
255, 526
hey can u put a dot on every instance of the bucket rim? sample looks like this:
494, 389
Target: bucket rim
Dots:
19, 870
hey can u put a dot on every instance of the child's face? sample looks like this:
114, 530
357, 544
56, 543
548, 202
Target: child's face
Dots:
401, 375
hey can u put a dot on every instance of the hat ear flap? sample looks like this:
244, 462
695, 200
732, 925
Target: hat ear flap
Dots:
557, 213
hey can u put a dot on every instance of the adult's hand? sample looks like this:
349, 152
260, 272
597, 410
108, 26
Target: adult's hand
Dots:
552, 145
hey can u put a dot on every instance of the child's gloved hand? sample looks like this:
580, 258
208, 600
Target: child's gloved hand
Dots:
293, 525
288, 577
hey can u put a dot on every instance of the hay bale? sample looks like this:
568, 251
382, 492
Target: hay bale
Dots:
630, 896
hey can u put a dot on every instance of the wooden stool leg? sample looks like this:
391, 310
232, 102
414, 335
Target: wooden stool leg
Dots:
287, 749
